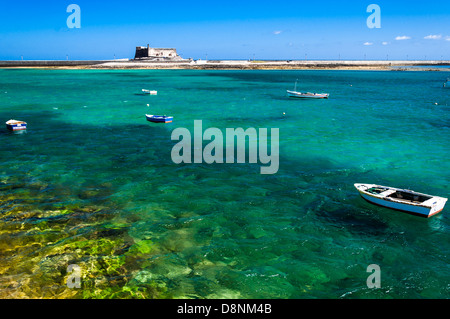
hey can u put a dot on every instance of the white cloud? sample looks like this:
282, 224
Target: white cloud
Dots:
404, 37
368, 43
385, 43
433, 37
447, 38
277, 32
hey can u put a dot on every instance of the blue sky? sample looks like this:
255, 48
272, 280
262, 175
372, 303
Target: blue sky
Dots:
280, 29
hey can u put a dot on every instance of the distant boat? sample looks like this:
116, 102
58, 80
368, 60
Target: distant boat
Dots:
150, 92
159, 118
403, 200
307, 95
14, 125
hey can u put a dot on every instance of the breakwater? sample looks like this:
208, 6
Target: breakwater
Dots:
235, 64
51, 63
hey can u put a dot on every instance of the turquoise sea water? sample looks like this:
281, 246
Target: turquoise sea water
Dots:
92, 183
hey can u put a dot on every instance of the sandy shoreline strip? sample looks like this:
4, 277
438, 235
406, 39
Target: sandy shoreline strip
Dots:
235, 65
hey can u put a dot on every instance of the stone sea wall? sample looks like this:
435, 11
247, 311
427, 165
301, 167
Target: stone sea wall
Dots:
49, 63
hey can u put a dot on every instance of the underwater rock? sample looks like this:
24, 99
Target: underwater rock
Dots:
143, 276
144, 285
225, 293
308, 277
141, 247
178, 239
256, 232
172, 270
52, 268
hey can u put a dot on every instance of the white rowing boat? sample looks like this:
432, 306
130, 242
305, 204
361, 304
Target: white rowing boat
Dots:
402, 200
306, 95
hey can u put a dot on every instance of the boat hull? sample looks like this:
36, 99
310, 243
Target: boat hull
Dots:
417, 211
306, 95
159, 119
148, 92
16, 126
436, 203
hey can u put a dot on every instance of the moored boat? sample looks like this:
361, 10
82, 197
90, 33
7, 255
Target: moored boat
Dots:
14, 125
308, 95
159, 118
150, 92
407, 201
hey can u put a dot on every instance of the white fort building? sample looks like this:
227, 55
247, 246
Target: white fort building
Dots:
157, 54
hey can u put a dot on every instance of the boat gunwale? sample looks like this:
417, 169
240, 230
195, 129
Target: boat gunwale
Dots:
15, 122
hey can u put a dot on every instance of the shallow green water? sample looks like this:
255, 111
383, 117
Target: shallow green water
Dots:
92, 183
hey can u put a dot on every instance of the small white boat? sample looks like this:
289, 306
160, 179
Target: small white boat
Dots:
407, 201
150, 92
14, 125
307, 95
